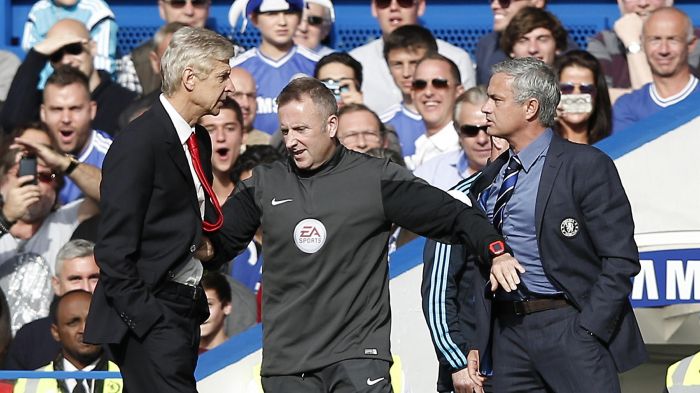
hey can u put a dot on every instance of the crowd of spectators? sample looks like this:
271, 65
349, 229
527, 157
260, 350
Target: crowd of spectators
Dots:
405, 95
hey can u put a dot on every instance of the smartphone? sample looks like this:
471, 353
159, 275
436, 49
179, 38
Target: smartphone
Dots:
27, 166
577, 103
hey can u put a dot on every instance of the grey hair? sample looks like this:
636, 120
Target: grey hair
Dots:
532, 78
476, 96
76, 248
193, 47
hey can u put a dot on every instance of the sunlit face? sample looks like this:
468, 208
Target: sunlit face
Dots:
395, 16
191, 13
359, 131
642, 7
211, 90
666, 43
538, 43
245, 95
71, 315
68, 113
502, 15
77, 273
277, 27
576, 76
402, 65
226, 134
308, 136
504, 116
310, 35
218, 311
435, 104
477, 147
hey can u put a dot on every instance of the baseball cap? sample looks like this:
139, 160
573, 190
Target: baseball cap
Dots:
256, 6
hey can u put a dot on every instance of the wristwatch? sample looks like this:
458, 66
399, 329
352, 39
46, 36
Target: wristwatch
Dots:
633, 48
497, 248
73, 164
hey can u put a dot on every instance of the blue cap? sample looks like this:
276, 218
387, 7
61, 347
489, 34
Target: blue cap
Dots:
257, 6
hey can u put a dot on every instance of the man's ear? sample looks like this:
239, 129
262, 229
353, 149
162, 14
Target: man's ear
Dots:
92, 48
227, 308
332, 125
93, 109
54, 284
532, 108
54, 333
188, 78
421, 8
155, 62
42, 113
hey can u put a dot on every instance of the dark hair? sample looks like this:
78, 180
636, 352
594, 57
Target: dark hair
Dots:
411, 37
528, 19
454, 70
216, 281
231, 104
66, 75
253, 156
600, 122
342, 58
350, 108
322, 98
53, 308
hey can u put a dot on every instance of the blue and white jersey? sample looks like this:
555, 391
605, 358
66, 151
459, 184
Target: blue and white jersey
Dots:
408, 125
246, 267
271, 76
95, 14
93, 154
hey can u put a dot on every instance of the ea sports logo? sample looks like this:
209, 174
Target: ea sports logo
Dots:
309, 235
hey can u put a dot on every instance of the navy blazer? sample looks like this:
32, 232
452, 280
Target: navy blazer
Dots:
150, 223
593, 264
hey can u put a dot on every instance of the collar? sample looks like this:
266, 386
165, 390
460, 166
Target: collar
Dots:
410, 114
325, 167
534, 150
446, 138
183, 129
68, 366
87, 149
676, 98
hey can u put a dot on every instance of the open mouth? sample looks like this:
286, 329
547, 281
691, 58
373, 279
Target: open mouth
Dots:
222, 153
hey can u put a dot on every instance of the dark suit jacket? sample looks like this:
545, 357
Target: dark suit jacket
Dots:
595, 266
150, 223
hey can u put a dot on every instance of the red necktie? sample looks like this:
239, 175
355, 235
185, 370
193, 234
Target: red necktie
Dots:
194, 153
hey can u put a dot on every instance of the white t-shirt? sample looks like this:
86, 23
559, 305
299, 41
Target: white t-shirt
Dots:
26, 266
428, 147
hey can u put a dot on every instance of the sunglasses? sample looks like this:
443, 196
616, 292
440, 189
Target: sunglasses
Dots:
568, 88
46, 177
387, 3
438, 83
183, 3
503, 3
314, 20
71, 49
471, 130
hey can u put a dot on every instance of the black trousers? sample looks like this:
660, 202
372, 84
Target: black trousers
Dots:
548, 351
165, 358
347, 376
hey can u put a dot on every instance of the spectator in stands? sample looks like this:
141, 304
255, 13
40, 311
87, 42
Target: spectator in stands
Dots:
584, 114
67, 43
226, 133
160, 42
246, 96
67, 113
620, 50
379, 88
668, 38
9, 63
403, 48
342, 74
67, 328
534, 32
277, 60
97, 17
33, 345
488, 49
360, 129
31, 218
218, 291
434, 89
135, 71
315, 26
448, 169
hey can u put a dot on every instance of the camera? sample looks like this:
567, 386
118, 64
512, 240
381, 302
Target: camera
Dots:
335, 87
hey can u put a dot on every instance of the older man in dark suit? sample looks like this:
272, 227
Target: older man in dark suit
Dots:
157, 202
562, 320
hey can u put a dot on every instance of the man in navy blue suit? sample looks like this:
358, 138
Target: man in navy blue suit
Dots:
559, 317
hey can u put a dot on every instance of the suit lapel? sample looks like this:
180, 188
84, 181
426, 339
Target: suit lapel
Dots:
489, 173
552, 164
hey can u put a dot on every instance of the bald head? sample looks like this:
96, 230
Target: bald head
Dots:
245, 95
668, 39
70, 28
671, 15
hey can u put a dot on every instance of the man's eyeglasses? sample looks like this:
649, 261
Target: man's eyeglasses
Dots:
470, 130
503, 3
584, 88
314, 20
183, 3
75, 49
387, 3
438, 83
